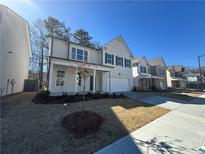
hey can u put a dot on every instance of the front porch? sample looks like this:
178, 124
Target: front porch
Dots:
65, 78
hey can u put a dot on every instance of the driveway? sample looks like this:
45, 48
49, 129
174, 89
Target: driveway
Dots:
181, 131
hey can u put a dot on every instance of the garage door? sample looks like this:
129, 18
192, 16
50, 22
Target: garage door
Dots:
119, 84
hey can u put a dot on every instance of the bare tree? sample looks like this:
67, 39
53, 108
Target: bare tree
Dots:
39, 47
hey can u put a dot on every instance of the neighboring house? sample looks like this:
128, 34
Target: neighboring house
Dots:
157, 67
15, 51
176, 76
141, 75
193, 80
109, 67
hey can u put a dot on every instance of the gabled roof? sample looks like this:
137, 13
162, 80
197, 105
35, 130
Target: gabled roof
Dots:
178, 68
138, 59
159, 61
121, 38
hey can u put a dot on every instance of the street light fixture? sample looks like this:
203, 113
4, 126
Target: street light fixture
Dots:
200, 69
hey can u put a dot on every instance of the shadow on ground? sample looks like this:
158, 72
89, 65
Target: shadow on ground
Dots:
36, 128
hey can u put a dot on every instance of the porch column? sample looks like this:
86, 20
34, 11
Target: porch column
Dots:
75, 81
51, 76
94, 79
109, 82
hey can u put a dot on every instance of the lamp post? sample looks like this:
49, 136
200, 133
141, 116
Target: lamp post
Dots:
200, 69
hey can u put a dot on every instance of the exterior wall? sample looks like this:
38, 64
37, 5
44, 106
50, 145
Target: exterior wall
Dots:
15, 49
63, 49
94, 56
60, 48
69, 81
169, 79
118, 48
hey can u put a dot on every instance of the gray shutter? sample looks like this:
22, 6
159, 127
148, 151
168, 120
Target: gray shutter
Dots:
105, 58
113, 59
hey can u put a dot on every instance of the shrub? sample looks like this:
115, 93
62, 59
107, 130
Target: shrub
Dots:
134, 89
89, 94
82, 123
122, 95
77, 94
106, 95
43, 93
114, 95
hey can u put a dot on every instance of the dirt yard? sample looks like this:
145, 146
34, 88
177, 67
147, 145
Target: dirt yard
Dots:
37, 128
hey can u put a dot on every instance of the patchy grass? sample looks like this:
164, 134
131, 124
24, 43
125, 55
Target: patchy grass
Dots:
37, 128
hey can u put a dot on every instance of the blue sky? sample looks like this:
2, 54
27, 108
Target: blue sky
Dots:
173, 30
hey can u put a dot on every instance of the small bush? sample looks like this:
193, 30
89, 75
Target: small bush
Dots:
77, 94
122, 95
82, 123
134, 89
43, 93
114, 94
89, 94
106, 95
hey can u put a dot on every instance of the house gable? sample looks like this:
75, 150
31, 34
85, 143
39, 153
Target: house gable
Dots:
119, 47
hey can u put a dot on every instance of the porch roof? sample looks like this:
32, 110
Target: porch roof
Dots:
74, 63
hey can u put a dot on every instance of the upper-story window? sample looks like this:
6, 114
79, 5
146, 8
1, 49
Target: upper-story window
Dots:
73, 55
79, 54
119, 61
127, 63
161, 71
143, 69
109, 58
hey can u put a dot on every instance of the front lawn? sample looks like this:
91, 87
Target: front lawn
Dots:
37, 128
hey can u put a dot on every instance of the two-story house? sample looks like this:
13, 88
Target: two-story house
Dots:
141, 75
109, 67
176, 76
157, 67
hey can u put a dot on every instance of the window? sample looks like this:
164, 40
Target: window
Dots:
85, 56
119, 61
79, 54
127, 63
60, 78
79, 79
161, 71
73, 55
143, 69
109, 59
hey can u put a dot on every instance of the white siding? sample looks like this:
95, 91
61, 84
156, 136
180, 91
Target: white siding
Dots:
118, 48
94, 56
60, 48
15, 49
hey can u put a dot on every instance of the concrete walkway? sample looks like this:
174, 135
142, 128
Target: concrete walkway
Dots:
181, 131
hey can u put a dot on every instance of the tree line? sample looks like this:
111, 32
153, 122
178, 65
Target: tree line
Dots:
41, 29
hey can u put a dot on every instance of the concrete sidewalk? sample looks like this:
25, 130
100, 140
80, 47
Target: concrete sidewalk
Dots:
181, 131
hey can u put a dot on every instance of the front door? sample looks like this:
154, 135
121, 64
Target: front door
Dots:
91, 83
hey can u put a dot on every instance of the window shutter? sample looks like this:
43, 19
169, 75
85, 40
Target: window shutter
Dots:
125, 63
122, 61
113, 59
116, 60
105, 58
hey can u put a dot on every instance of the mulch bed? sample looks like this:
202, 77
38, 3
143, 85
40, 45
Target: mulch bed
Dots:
73, 98
82, 123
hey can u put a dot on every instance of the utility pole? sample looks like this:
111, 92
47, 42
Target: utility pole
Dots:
200, 71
